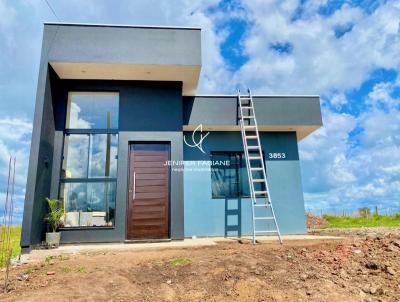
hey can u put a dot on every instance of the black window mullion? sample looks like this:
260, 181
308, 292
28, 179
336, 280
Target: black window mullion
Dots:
88, 157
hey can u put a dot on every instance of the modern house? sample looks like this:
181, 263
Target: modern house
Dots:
122, 138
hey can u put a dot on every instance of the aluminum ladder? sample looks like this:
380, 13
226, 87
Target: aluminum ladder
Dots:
258, 183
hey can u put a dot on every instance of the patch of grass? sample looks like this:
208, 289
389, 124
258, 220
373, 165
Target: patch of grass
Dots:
78, 269
15, 238
49, 259
180, 262
28, 271
357, 222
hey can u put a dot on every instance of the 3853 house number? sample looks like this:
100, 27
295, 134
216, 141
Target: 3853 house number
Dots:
277, 155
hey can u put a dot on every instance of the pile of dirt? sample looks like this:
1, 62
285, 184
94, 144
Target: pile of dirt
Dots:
315, 222
358, 268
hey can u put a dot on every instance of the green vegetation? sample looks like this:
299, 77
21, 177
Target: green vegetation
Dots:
49, 259
78, 269
28, 271
15, 241
357, 222
179, 262
55, 214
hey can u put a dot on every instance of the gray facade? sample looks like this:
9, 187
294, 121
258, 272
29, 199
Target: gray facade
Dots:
155, 72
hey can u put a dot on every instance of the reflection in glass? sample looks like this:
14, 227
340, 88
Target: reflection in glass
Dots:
88, 204
91, 156
103, 155
92, 110
75, 156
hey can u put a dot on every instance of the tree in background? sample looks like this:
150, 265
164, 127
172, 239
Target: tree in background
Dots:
364, 212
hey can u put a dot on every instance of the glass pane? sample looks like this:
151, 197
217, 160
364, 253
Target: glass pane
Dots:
224, 179
75, 156
103, 155
92, 110
88, 204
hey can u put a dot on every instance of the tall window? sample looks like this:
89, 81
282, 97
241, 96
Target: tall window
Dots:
231, 181
89, 167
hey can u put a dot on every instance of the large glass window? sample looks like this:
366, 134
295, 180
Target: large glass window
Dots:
231, 181
92, 110
89, 166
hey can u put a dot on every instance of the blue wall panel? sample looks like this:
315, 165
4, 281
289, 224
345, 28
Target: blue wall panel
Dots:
205, 216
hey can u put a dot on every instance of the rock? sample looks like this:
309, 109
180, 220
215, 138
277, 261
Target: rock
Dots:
357, 252
373, 290
372, 265
51, 273
303, 277
24, 277
391, 248
390, 271
396, 243
169, 282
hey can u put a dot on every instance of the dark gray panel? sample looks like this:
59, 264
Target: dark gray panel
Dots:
125, 45
40, 163
273, 111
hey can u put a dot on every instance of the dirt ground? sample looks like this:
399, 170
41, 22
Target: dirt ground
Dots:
365, 266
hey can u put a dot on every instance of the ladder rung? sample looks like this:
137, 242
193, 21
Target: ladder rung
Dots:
260, 192
256, 169
263, 218
254, 157
247, 116
253, 147
261, 205
258, 180
266, 231
251, 137
246, 107
250, 127
245, 98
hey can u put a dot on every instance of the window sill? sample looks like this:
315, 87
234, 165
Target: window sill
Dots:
82, 228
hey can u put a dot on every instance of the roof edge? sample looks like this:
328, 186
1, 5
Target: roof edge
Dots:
121, 25
256, 96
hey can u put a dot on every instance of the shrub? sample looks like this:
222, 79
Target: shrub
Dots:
56, 212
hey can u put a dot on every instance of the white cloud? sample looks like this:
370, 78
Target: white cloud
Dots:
15, 135
338, 100
7, 14
346, 172
320, 62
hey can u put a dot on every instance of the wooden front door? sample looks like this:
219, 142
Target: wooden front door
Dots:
148, 198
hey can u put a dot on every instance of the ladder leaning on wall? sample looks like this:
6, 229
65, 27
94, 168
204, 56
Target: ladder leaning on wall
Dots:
256, 172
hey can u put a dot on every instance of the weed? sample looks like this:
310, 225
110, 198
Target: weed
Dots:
356, 222
78, 269
180, 262
28, 271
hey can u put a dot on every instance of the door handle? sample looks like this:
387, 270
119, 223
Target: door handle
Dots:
134, 185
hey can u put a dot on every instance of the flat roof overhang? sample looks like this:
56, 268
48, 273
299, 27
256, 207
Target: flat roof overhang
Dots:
300, 114
115, 52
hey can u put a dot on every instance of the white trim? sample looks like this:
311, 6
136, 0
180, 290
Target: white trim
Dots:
259, 96
120, 25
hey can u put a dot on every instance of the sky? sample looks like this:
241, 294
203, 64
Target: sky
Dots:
348, 52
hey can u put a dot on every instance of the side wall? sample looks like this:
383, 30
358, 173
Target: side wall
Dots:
205, 216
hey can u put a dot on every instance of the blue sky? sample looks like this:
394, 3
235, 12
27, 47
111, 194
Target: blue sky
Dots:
348, 52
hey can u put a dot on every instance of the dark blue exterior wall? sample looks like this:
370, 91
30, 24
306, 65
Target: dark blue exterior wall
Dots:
148, 111
205, 216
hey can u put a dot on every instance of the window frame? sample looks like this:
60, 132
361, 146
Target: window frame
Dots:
237, 171
89, 132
